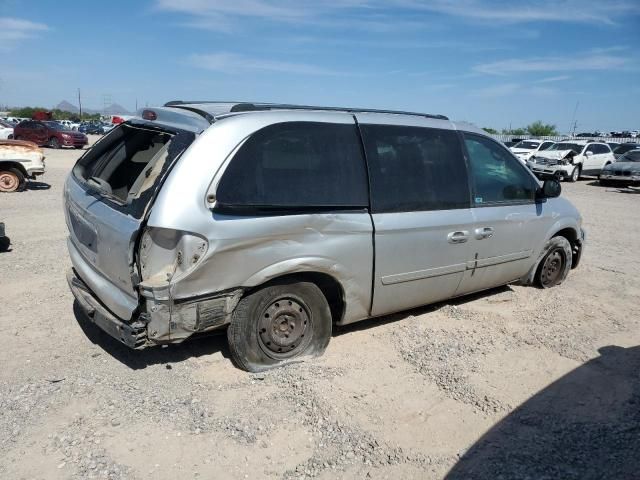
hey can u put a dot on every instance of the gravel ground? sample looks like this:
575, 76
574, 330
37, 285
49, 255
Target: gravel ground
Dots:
513, 383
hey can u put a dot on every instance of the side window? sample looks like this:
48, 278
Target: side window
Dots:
415, 168
591, 148
297, 164
496, 176
600, 149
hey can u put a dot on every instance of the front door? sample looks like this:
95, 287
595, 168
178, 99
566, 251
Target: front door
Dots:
509, 226
420, 210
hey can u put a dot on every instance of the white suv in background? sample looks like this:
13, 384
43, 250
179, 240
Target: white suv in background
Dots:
526, 148
570, 159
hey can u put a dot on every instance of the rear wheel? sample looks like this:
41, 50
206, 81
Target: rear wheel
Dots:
556, 263
53, 143
11, 180
575, 174
278, 323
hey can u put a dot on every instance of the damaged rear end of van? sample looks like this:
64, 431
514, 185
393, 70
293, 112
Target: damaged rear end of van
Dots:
122, 268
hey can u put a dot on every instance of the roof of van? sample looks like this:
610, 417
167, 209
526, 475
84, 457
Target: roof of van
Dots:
214, 109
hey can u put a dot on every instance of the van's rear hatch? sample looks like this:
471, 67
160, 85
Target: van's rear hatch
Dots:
107, 199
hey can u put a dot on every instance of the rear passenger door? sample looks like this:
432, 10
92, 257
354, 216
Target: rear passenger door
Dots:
593, 163
509, 226
420, 209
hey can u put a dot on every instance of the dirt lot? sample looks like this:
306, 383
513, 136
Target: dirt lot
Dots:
515, 383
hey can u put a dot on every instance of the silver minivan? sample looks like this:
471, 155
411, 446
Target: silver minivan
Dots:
278, 221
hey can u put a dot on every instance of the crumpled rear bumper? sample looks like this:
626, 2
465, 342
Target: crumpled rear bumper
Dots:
133, 334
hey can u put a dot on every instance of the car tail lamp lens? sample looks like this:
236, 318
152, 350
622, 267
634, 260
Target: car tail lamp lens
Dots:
149, 115
166, 255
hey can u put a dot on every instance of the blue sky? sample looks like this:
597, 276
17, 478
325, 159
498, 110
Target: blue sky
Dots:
494, 63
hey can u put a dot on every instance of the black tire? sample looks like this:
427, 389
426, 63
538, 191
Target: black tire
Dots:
53, 143
79, 147
555, 263
15, 180
575, 174
280, 322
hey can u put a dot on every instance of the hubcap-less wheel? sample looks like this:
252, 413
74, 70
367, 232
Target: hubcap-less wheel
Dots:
284, 328
575, 174
9, 182
552, 268
53, 143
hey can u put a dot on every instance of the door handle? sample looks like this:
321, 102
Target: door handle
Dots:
484, 232
458, 237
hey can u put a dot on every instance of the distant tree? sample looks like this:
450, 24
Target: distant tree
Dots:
27, 112
514, 131
539, 129
490, 130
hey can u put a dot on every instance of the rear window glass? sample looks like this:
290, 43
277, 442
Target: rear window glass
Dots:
415, 169
118, 165
297, 164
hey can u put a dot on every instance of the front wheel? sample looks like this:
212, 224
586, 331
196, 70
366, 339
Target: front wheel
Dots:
556, 263
53, 143
575, 174
280, 322
12, 180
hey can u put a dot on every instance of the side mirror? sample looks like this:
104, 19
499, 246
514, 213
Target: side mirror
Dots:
588, 153
550, 189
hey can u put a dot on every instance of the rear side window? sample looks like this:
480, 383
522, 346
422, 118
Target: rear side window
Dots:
497, 176
297, 165
415, 169
125, 167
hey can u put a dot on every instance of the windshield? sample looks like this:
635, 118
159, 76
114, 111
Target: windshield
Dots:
567, 146
56, 126
6, 124
527, 145
632, 156
625, 148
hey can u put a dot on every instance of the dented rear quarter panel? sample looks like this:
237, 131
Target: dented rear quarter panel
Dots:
247, 251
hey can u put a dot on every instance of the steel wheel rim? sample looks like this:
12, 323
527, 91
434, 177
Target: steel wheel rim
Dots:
284, 328
552, 267
8, 182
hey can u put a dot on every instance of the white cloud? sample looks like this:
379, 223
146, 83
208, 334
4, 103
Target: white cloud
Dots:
509, 11
379, 14
15, 29
233, 63
552, 64
558, 78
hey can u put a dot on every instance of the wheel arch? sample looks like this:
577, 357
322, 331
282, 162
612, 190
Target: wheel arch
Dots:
4, 164
568, 230
330, 287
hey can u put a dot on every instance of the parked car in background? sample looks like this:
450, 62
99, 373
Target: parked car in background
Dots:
6, 130
107, 127
71, 125
613, 145
91, 128
524, 149
50, 134
624, 148
19, 162
624, 172
568, 160
270, 222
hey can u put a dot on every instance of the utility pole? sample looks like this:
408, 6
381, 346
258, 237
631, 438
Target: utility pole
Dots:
136, 104
574, 123
80, 104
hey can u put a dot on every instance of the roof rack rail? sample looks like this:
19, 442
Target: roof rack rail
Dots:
253, 107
